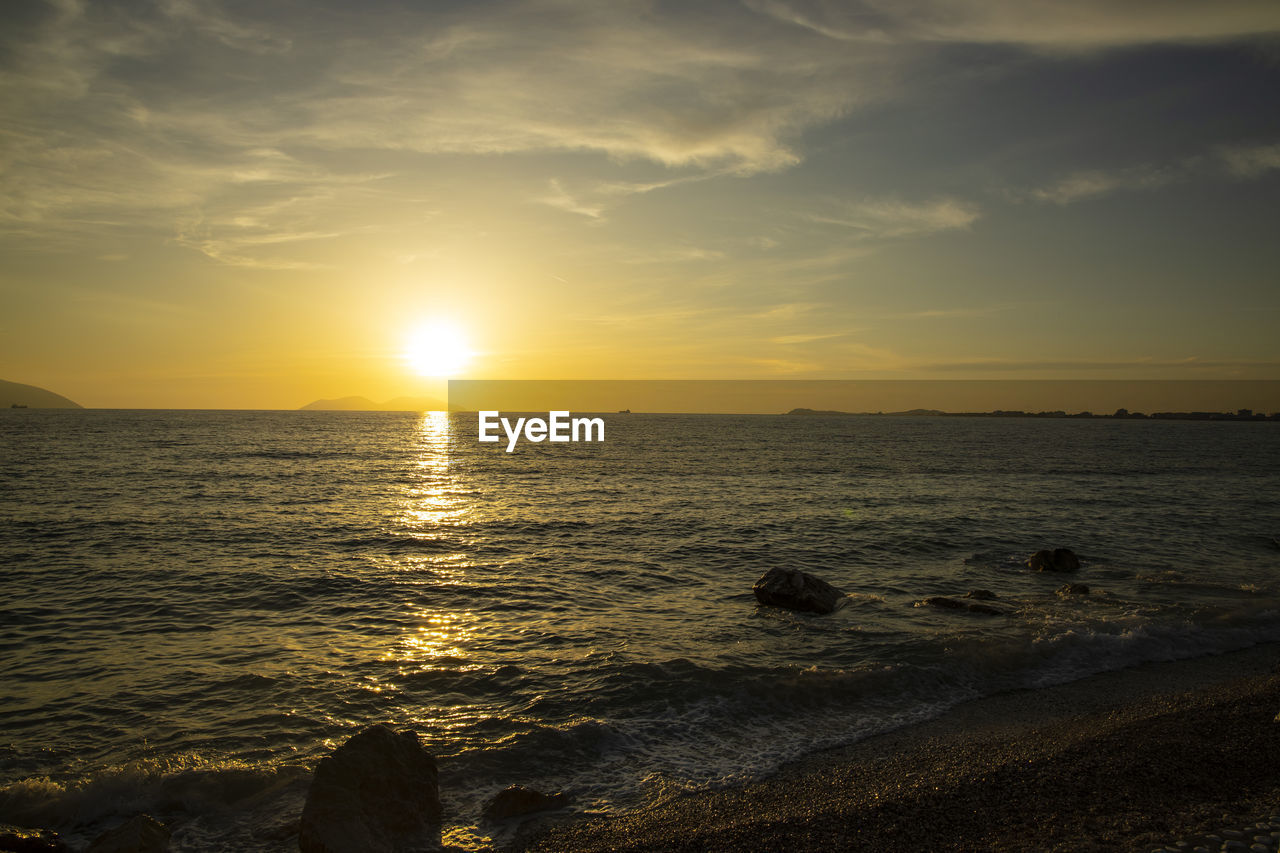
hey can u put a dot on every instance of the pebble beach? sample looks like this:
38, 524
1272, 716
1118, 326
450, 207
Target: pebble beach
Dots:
1168, 756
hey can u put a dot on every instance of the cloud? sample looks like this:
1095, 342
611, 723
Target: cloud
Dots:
561, 200
1251, 161
154, 112
1013, 366
595, 198
1089, 184
676, 255
1241, 162
151, 114
890, 218
1037, 24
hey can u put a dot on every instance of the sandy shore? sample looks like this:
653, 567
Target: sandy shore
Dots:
1133, 760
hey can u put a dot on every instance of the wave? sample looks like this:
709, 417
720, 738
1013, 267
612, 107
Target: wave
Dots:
185, 791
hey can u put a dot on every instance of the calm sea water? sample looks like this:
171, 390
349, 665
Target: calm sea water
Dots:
196, 606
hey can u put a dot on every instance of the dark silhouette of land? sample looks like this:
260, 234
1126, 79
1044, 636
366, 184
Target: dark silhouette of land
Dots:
1118, 414
15, 395
364, 404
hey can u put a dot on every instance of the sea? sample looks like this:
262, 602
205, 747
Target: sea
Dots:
195, 607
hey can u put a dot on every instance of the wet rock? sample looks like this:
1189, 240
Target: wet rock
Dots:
18, 839
518, 800
941, 602
140, 834
981, 594
944, 603
797, 590
376, 793
1057, 560
1074, 589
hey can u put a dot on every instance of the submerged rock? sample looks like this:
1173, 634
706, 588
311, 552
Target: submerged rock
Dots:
797, 590
981, 594
377, 793
1057, 560
140, 834
518, 800
1074, 589
943, 603
19, 839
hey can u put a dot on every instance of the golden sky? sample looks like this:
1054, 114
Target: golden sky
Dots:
254, 205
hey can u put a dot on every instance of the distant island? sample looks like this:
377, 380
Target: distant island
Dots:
15, 395
1118, 414
364, 404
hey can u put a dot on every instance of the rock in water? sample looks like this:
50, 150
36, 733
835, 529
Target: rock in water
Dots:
1057, 560
941, 601
1074, 589
981, 594
377, 793
519, 800
140, 834
18, 839
798, 590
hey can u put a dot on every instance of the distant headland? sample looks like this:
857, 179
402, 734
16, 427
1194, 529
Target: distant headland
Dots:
364, 404
15, 395
1118, 414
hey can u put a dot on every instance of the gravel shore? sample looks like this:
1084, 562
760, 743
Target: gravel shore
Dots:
1135, 760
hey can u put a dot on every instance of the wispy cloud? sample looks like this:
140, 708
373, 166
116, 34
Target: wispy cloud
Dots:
1090, 184
1240, 162
1080, 25
1251, 161
890, 218
151, 115
1189, 364
177, 111
595, 198
558, 198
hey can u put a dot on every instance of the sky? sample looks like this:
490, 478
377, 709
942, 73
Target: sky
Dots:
255, 205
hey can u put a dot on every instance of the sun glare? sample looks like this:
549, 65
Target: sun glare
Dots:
439, 349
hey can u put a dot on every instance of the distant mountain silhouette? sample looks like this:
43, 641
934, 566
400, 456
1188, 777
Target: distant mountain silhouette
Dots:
15, 394
364, 404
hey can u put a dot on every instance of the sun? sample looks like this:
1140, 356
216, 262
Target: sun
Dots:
437, 349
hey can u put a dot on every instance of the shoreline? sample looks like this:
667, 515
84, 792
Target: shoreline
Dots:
1127, 760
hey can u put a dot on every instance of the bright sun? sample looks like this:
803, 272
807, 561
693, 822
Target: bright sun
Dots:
438, 349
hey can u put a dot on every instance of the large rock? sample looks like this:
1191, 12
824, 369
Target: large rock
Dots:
518, 800
1057, 560
140, 834
377, 793
798, 590
19, 839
